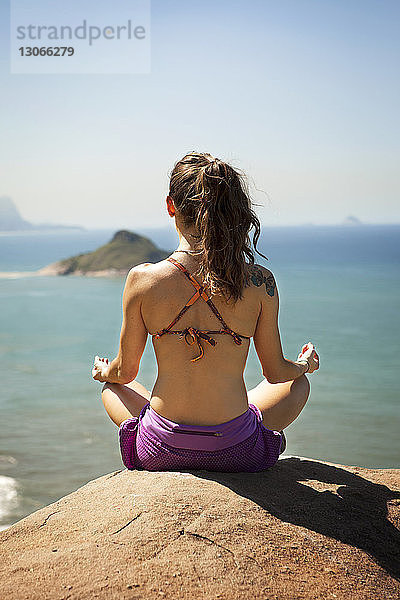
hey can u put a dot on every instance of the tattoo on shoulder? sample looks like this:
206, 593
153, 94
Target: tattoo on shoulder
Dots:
258, 278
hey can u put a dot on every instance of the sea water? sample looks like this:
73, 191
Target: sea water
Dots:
338, 286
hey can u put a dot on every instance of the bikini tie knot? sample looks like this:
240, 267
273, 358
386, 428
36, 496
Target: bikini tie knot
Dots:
192, 335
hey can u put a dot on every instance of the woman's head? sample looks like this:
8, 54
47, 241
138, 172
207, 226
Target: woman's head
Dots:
212, 198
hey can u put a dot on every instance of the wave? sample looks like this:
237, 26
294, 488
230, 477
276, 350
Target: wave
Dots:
17, 274
9, 499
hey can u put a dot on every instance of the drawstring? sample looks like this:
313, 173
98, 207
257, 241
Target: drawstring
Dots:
194, 336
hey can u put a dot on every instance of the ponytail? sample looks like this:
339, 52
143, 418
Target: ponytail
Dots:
211, 195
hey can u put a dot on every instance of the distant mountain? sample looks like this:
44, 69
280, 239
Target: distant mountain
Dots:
125, 250
11, 220
351, 220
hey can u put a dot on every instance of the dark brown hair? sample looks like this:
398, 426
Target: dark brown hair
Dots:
213, 197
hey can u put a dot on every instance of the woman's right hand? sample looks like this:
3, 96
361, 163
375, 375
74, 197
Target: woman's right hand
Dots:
309, 353
100, 367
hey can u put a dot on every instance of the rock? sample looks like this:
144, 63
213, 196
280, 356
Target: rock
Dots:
125, 250
302, 529
10, 218
351, 220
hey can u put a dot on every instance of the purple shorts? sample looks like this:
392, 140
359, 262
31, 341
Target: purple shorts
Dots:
154, 443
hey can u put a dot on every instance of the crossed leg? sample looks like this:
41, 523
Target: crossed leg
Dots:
280, 403
124, 401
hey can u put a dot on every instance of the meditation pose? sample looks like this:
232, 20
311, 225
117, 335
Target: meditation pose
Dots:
201, 306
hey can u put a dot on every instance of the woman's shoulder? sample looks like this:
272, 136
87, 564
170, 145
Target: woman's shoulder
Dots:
147, 273
257, 270
260, 276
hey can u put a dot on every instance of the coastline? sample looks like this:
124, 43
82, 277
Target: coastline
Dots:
57, 270
53, 271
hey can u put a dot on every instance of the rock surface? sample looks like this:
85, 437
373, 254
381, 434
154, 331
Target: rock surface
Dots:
303, 529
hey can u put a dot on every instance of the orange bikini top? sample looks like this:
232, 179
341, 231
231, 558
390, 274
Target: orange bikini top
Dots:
190, 334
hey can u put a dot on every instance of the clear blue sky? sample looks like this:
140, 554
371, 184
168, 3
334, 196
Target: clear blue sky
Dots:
303, 95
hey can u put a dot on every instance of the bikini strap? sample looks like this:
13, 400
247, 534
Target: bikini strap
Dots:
193, 281
200, 292
236, 337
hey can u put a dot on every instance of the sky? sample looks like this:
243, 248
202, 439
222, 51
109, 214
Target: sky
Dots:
301, 95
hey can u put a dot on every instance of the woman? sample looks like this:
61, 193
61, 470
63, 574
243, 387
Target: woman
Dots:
201, 306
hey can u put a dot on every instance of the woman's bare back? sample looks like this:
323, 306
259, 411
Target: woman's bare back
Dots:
210, 390
213, 214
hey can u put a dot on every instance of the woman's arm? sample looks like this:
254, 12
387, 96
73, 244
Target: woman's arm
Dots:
125, 365
267, 342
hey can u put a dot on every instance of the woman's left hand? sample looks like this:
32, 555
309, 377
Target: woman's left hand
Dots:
100, 369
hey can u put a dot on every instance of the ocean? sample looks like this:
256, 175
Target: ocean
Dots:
339, 288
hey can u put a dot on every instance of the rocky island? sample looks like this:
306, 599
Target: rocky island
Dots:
124, 251
352, 220
304, 529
